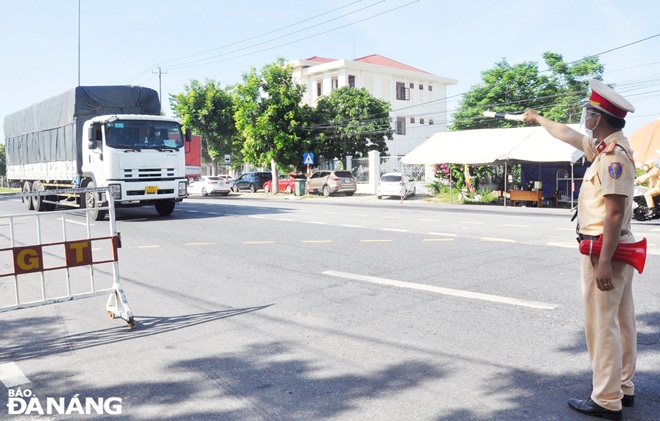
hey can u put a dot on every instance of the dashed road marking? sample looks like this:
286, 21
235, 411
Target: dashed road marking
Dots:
443, 234
11, 375
497, 240
444, 291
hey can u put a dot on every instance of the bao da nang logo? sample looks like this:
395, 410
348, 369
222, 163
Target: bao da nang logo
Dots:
23, 402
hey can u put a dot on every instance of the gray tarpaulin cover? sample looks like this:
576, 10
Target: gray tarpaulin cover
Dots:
51, 130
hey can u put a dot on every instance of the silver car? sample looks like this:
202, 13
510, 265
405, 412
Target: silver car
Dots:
395, 184
335, 181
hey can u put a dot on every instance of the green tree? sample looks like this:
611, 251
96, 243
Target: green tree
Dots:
351, 122
208, 109
3, 161
556, 92
270, 117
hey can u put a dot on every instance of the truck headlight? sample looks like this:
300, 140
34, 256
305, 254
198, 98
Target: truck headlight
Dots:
183, 188
115, 189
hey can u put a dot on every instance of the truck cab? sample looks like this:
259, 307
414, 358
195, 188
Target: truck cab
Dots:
140, 157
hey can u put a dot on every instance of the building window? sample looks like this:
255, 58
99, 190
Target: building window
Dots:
412, 119
401, 125
421, 121
318, 89
430, 88
351, 81
412, 85
421, 87
402, 93
430, 121
335, 83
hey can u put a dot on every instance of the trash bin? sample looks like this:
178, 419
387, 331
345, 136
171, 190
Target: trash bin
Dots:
300, 186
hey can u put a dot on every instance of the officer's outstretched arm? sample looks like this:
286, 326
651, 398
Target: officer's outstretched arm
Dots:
557, 130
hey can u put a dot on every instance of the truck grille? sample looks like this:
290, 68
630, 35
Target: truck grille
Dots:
148, 173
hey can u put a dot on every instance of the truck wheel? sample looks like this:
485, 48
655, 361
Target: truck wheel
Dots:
27, 187
38, 202
165, 207
92, 202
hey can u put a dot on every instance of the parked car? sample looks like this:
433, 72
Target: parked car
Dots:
335, 181
285, 183
395, 184
251, 181
209, 185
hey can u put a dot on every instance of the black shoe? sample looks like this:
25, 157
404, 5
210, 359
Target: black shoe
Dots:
628, 400
650, 213
589, 407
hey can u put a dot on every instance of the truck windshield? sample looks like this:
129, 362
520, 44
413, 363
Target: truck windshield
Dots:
143, 134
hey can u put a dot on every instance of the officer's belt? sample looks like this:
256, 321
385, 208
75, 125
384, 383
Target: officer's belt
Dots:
596, 237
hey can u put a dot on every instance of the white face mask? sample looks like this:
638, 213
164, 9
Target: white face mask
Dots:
588, 115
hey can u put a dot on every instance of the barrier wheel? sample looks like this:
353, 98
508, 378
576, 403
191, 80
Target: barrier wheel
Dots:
111, 314
131, 324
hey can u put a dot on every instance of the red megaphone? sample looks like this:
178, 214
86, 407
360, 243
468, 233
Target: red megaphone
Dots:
633, 254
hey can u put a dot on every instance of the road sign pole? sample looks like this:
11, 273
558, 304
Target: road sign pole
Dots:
307, 183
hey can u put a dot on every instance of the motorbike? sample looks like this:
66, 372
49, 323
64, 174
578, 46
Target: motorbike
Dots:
640, 210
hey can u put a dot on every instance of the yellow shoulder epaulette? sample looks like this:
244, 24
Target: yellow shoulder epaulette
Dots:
610, 147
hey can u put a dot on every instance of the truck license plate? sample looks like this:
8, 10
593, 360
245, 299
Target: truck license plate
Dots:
151, 190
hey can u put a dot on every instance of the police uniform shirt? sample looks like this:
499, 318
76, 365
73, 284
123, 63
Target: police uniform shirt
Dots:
653, 177
611, 172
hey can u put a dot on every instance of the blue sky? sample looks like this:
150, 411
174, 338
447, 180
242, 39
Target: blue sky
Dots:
124, 41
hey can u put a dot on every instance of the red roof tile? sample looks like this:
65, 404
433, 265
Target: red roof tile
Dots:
384, 61
372, 59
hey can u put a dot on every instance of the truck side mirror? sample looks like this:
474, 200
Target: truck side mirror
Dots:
188, 135
91, 133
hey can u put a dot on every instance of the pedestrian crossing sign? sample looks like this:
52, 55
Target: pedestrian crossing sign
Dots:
308, 158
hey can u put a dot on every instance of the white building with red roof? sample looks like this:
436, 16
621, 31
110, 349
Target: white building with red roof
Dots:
418, 98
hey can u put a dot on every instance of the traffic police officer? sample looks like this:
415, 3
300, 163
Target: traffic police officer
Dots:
605, 208
653, 177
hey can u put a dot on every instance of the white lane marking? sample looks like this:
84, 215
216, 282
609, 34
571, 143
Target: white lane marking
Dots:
257, 217
315, 222
444, 291
443, 234
11, 375
286, 219
352, 226
394, 229
472, 222
570, 245
497, 240
71, 221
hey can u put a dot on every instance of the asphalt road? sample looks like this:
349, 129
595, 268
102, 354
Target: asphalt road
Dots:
254, 307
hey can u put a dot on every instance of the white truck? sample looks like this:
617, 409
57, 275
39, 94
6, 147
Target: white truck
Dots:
98, 136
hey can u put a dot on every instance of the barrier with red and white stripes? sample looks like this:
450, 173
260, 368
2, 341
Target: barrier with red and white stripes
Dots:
56, 256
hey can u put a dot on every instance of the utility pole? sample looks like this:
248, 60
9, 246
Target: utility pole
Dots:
78, 42
160, 85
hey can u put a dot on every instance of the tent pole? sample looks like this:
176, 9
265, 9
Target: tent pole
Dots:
572, 183
506, 178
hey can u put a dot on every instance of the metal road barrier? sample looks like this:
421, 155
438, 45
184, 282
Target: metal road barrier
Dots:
59, 256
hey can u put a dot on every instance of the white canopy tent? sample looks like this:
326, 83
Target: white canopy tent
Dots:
492, 146
488, 146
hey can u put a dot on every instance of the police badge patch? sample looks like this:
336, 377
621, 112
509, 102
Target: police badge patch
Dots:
615, 170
